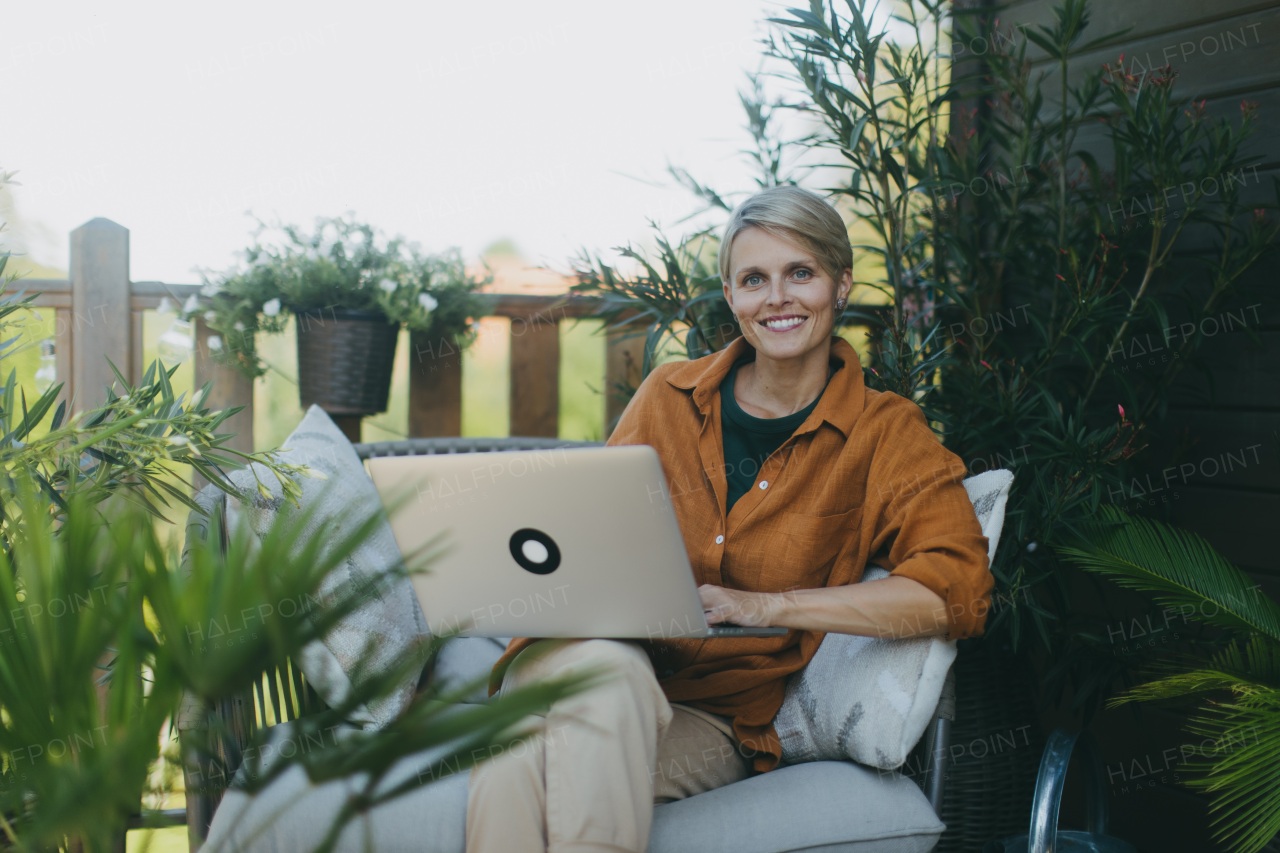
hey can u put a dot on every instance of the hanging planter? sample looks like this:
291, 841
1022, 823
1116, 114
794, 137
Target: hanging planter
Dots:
344, 360
350, 291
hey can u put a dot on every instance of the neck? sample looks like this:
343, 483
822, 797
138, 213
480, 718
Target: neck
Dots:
773, 389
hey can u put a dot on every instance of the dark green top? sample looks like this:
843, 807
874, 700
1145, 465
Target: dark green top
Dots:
749, 440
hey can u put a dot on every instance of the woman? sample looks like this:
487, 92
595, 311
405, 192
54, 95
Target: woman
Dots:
788, 476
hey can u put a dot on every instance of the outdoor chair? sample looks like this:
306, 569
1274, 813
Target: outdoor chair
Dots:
816, 806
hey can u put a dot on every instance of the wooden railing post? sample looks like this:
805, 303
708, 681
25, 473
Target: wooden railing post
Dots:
101, 321
230, 389
435, 387
535, 375
623, 360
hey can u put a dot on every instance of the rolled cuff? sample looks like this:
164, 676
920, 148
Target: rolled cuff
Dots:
960, 579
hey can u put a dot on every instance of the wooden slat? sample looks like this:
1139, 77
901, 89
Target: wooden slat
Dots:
1255, 188
1233, 372
230, 389
623, 360
49, 292
137, 338
100, 305
1243, 46
64, 350
1237, 523
1203, 448
1131, 20
535, 376
1253, 301
1260, 148
435, 388
526, 304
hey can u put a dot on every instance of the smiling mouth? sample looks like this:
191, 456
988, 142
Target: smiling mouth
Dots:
783, 324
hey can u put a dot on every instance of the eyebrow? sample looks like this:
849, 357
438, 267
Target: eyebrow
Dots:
794, 265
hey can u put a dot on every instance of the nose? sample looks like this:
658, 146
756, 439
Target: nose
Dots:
778, 294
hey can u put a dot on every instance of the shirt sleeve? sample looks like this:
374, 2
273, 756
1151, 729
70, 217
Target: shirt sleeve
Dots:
926, 520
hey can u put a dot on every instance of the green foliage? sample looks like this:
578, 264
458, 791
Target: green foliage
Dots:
98, 599
343, 265
1238, 760
673, 298
103, 633
1023, 229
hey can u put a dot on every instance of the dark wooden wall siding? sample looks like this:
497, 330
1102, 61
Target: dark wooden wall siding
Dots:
1221, 435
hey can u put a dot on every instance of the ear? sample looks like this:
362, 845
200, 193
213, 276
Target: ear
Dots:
845, 285
728, 293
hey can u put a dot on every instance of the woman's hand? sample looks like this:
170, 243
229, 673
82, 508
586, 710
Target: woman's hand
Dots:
738, 607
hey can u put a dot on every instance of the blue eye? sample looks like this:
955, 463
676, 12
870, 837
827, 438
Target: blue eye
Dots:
752, 280
803, 274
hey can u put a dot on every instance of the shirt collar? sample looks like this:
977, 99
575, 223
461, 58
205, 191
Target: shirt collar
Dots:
841, 403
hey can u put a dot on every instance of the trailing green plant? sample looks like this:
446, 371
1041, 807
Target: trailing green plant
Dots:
99, 599
1238, 718
343, 265
1022, 230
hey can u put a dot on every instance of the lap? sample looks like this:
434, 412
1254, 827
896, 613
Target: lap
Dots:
696, 751
551, 656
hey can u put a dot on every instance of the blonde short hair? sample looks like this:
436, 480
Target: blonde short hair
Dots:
797, 215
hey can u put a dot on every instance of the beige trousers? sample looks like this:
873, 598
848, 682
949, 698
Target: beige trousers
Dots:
588, 779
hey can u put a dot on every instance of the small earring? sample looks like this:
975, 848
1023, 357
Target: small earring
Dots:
840, 303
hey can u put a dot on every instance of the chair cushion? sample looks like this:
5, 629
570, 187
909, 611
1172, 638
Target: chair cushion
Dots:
463, 661
823, 806
390, 628
870, 699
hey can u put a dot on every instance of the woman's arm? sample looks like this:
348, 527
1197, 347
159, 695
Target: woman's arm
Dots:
892, 607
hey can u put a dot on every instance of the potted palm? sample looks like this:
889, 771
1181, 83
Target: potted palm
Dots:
1234, 751
350, 290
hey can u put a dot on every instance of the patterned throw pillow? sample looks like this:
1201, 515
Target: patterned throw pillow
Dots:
390, 628
870, 699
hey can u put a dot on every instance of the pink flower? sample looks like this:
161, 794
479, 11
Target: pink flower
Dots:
1122, 417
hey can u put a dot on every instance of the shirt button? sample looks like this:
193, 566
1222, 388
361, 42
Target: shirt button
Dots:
720, 539
764, 484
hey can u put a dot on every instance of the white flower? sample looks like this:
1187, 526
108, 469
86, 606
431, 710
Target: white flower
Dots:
428, 302
179, 439
215, 343
165, 306
210, 317
239, 327
191, 305
271, 307
388, 286
1031, 547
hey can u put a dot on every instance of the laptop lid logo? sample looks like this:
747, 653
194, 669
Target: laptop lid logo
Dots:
534, 551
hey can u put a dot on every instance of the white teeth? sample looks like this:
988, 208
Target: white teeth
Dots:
783, 325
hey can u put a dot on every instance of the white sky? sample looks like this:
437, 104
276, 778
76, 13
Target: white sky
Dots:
452, 123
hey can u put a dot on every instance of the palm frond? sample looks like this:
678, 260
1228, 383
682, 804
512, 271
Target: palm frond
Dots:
1238, 764
1179, 568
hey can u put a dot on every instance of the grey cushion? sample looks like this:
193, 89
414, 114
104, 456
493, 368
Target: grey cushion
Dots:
464, 661
390, 628
868, 698
823, 806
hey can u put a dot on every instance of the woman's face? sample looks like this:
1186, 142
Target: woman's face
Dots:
782, 297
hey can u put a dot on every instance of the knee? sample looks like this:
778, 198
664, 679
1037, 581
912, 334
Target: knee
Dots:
606, 655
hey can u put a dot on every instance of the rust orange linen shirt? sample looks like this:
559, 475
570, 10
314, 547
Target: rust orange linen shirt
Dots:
863, 479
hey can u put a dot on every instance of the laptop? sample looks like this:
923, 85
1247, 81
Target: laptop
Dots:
564, 542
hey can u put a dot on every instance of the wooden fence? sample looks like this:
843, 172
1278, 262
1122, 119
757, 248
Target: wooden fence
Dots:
99, 317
